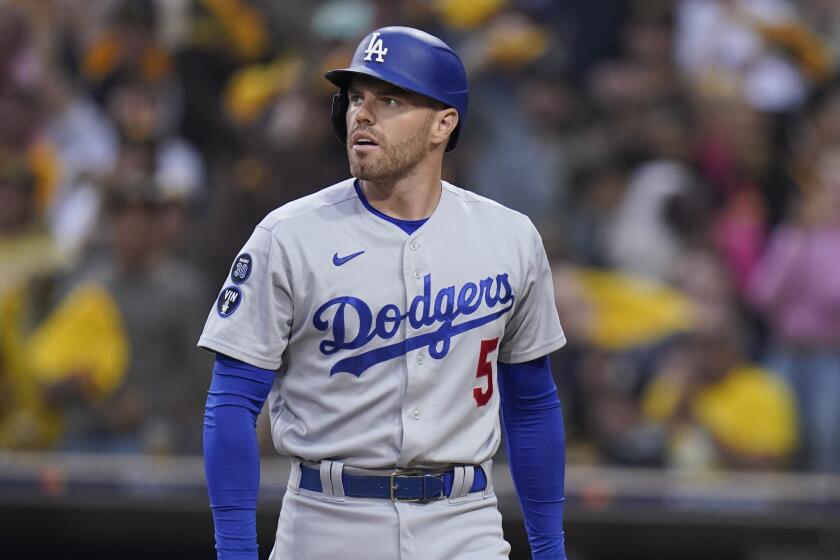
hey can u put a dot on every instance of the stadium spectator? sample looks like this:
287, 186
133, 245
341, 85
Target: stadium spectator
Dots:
718, 410
25, 244
797, 287
153, 407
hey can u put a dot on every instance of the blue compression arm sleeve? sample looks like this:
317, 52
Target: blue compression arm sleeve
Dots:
533, 423
231, 454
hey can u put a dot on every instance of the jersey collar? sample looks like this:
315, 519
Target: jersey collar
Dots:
386, 236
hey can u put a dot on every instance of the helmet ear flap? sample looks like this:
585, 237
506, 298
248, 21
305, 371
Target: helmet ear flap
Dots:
340, 104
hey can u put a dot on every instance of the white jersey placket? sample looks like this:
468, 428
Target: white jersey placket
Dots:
415, 268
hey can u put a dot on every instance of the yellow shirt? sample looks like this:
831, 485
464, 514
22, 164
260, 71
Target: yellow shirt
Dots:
83, 335
751, 410
629, 311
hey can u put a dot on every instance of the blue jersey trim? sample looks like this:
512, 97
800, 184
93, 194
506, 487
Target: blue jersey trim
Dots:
408, 226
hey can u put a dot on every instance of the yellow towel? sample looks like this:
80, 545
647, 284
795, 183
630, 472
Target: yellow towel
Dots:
84, 334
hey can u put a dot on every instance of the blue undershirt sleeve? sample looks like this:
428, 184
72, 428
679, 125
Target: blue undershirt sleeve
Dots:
533, 424
231, 454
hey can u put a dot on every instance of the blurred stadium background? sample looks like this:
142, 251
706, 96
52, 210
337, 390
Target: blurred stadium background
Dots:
681, 159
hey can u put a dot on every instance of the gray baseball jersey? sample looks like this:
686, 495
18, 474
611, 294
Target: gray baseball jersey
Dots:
386, 343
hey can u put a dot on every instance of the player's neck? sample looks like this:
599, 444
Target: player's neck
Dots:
413, 197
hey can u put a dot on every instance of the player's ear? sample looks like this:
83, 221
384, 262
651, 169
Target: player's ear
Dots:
443, 125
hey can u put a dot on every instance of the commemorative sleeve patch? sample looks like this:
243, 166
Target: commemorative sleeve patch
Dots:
228, 301
241, 269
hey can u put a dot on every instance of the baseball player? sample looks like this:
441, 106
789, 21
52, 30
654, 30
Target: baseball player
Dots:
387, 319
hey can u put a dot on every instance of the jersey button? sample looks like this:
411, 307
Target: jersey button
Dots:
413, 246
415, 414
417, 274
420, 359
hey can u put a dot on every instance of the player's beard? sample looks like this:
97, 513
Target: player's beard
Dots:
392, 162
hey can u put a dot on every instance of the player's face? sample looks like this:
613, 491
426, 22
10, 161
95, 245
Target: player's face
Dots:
389, 130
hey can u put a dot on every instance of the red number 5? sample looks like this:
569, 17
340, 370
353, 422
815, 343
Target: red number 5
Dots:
485, 369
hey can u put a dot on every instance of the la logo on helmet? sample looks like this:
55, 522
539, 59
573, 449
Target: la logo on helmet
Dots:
375, 47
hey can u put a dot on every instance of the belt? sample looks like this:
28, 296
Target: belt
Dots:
417, 486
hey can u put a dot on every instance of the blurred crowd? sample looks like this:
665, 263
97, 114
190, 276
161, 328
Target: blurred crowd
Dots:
680, 158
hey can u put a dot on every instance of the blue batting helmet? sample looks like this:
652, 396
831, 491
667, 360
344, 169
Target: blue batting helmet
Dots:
410, 59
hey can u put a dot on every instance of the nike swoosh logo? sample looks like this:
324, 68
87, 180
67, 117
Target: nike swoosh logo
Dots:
338, 261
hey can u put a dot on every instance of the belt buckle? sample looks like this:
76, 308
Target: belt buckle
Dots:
415, 474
